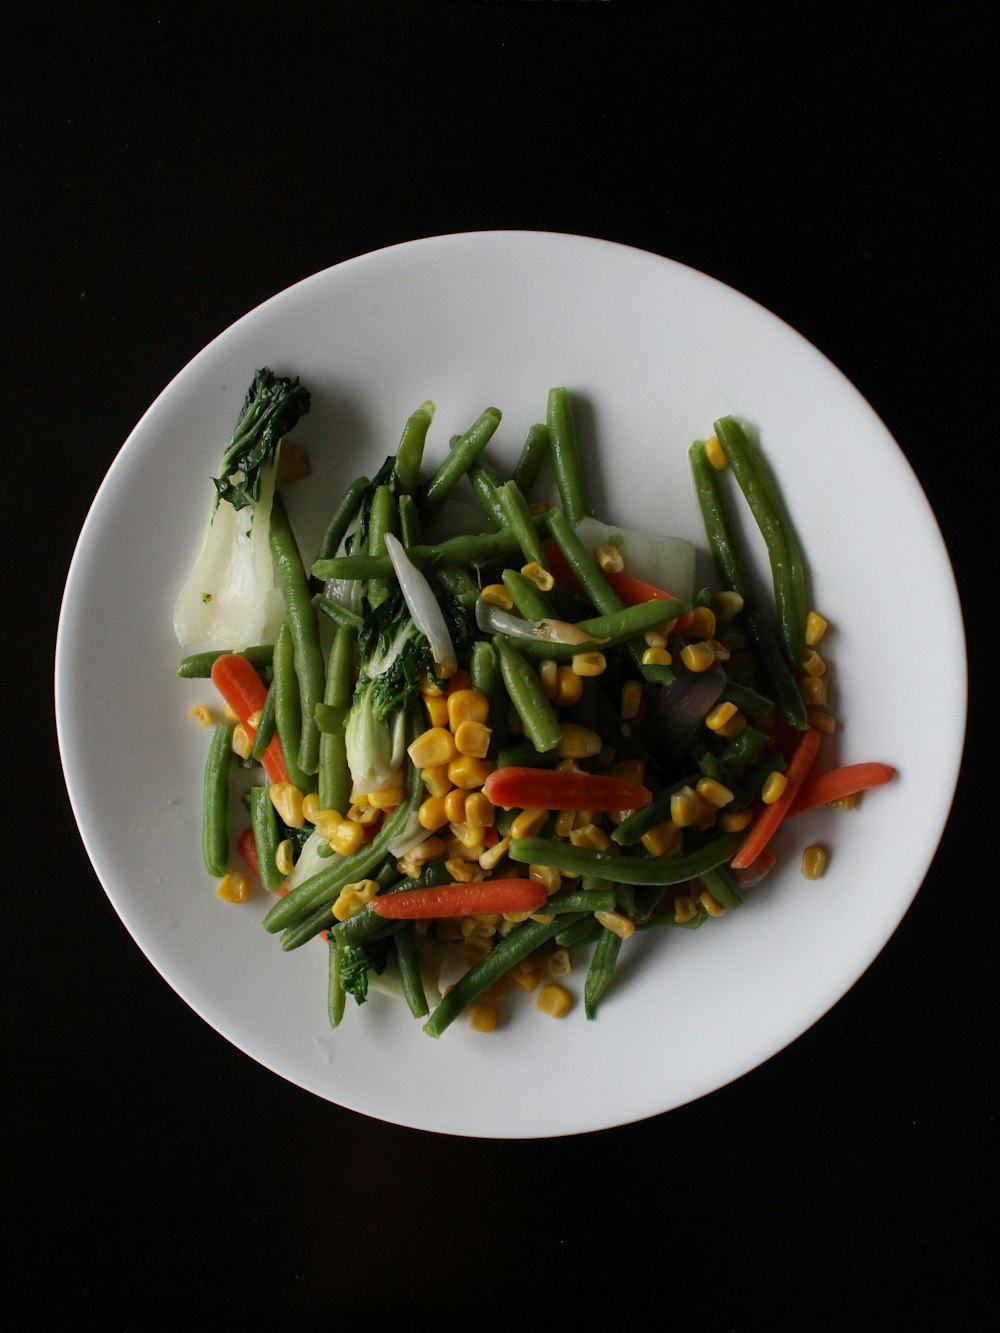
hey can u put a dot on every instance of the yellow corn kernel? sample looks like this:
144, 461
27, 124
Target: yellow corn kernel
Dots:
365, 815
472, 738
467, 706
432, 814
468, 838
847, 802
482, 1016
468, 771
711, 906
429, 685
364, 890
731, 729
229, 713
524, 981
310, 807
386, 798
609, 558
454, 805
815, 691
577, 742
343, 907
491, 858
548, 677
726, 605
715, 453
589, 835
234, 887
702, 623
436, 706
812, 663
479, 810
619, 925
773, 788
633, 770
474, 927
569, 686
583, 817
347, 837
284, 857
722, 653
326, 822
554, 1000
655, 638
564, 822
658, 657
515, 919
287, 800
821, 720
558, 963
548, 876
462, 871
631, 698
528, 823
698, 656
426, 850
713, 792
589, 664
497, 594
569, 766
814, 861
538, 575
720, 715
686, 807
662, 839
241, 742
816, 627
735, 821
543, 918
253, 720
684, 909
201, 714
433, 747
436, 780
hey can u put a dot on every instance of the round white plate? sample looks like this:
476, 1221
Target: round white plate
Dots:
652, 352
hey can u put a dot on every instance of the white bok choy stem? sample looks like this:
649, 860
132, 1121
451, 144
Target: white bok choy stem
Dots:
422, 604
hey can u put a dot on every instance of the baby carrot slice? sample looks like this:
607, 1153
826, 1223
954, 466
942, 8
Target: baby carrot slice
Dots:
243, 690
764, 827
836, 783
544, 789
496, 895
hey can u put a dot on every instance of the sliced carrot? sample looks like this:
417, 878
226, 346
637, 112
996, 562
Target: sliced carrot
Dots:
247, 848
553, 789
244, 691
494, 895
764, 827
836, 783
631, 590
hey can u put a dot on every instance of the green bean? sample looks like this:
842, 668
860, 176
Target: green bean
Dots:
668, 918
537, 715
533, 454
336, 996
409, 971
626, 869
342, 518
340, 615
722, 886
288, 707
266, 725
474, 550
742, 748
334, 777
264, 823
528, 597
409, 521
566, 463
484, 485
521, 942
484, 672
215, 801
585, 930
602, 596
198, 666
524, 755
787, 569
730, 563
433, 493
410, 452
381, 520
630, 830
301, 617
747, 700
518, 516
460, 584
601, 970
616, 628
580, 900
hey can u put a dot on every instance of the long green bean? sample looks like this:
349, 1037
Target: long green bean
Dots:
301, 617
537, 715
342, 518
410, 451
626, 869
409, 971
334, 784
215, 801
267, 724
616, 628
336, 996
518, 516
566, 462
381, 520
533, 454
288, 707
473, 550
631, 829
527, 596
433, 493
409, 521
264, 824
198, 666
600, 971
484, 672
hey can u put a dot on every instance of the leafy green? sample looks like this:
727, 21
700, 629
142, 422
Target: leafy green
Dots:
271, 408
357, 960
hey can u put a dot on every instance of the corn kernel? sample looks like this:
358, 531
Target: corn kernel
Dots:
365, 815
201, 714
564, 822
284, 857
658, 657
816, 627
731, 729
720, 715
433, 747
479, 810
577, 742
436, 780
702, 623
528, 823
821, 720
686, 807
633, 770
631, 698
655, 638
468, 838
429, 685
230, 713
662, 839
426, 850
474, 928
558, 963
715, 453
684, 909
492, 857
569, 686
436, 706
472, 738
543, 918
619, 925
548, 677
735, 821
234, 887
432, 814
773, 788
812, 663
721, 651
589, 664
524, 981
548, 876
726, 605
454, 805
310, 807
538, 575
554, 1000
468, 771
241, 742
714, 792
467, 706
583, 817
697, 656
815, 691
592, 837
347, 837
609, 558
497, 594
462, 871
711, 906
287, 800
847, 802
813, 862
386, 798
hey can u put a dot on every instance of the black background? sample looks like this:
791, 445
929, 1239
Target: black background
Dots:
165, 169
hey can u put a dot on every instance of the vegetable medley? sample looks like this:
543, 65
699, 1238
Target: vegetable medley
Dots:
480, 762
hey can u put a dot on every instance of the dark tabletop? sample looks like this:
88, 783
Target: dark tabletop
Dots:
166, 168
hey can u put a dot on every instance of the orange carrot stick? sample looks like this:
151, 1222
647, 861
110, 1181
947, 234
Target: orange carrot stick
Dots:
243, 690
495, 895
836, 783
764, 827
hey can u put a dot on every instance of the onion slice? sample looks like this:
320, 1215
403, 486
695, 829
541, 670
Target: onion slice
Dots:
422, 604
493, 619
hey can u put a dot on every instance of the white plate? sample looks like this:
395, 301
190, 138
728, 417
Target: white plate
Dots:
653, 352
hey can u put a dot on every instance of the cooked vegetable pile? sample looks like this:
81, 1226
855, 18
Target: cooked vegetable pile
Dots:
478, 762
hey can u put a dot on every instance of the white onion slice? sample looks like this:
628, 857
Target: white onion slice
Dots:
422, 604
493, 619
